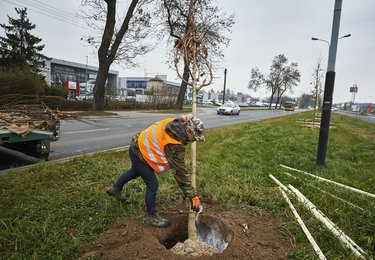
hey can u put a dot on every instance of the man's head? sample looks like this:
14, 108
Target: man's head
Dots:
194, 126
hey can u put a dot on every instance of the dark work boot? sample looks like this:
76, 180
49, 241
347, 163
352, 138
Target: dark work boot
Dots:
156, 221
112, 191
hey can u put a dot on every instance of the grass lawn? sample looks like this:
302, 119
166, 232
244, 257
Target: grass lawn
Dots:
50, 210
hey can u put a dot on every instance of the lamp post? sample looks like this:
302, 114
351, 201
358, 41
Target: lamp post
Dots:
87, 59
225, 82
329, 84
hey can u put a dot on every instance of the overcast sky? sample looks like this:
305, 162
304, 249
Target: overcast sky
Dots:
263, 30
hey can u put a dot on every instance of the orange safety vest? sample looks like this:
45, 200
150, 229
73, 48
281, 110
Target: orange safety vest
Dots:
151, 143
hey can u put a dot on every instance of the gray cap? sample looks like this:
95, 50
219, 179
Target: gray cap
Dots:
197, 127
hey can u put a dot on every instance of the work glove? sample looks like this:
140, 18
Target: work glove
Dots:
195, 203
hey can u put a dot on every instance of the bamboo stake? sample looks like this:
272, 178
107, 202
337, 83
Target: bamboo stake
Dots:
336, 183
304, 228
299, 219
346, 240
326, 192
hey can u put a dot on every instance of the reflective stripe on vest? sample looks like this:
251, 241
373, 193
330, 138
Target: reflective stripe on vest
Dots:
151, 143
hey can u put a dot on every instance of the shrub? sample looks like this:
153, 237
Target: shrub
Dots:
21, 82
55, 91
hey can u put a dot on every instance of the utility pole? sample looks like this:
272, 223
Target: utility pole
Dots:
329, 85
87, 59
225, 82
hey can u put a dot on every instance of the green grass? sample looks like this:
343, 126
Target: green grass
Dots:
50, 211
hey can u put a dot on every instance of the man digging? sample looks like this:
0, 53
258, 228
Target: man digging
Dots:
154, 150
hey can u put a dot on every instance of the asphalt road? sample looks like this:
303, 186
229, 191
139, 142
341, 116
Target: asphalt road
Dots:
367, 118
94, 134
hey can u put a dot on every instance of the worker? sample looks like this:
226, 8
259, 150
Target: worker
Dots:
154, 150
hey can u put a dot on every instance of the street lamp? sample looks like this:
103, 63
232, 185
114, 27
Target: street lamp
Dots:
317, 39
225, 82
329, 84
345, 36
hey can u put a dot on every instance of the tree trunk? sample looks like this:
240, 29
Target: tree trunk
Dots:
192, 229
277, 102
278, 97
106, 52
273, 93
99, 88
183, 87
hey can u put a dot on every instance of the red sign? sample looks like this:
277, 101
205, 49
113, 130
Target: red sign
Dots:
77, 88
66, 86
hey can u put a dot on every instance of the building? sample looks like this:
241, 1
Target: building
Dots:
130, 87
57, 72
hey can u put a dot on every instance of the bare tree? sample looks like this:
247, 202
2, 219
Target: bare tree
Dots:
191, 50
291, 77
210, 22
120, 43
317, 90
282, 77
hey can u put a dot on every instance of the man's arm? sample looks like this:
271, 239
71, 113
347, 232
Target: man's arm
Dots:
176, 159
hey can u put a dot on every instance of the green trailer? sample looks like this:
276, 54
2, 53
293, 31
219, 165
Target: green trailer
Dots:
29, 128
36, 143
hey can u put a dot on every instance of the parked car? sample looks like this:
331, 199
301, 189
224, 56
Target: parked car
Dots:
356, 108
209, 102
229, 108
84, 97
120, 98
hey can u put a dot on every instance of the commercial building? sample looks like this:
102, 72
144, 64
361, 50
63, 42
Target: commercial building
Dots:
57, 72
130, 87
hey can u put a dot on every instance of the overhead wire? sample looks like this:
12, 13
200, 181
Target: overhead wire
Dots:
72, 17
57, 9
54, 15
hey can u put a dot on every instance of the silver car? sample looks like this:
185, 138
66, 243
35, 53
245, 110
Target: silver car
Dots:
229, 108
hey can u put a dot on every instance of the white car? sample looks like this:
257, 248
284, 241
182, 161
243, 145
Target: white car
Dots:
84, 97
229, 108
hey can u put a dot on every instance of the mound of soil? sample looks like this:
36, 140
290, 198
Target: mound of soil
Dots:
249, 238
192, 248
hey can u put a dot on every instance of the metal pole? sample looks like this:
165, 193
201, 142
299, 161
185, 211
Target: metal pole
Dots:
329, 85
225, 82
87, 59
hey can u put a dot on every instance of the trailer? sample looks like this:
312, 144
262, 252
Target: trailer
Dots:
36, 143
30, 129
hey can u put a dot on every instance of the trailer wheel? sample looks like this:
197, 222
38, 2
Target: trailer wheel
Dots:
44, 157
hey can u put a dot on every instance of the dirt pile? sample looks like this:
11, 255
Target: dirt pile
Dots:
192, 248
248, 237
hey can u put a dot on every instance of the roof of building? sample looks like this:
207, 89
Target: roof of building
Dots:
156, 78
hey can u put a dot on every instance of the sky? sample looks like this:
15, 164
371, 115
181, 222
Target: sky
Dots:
263, 30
